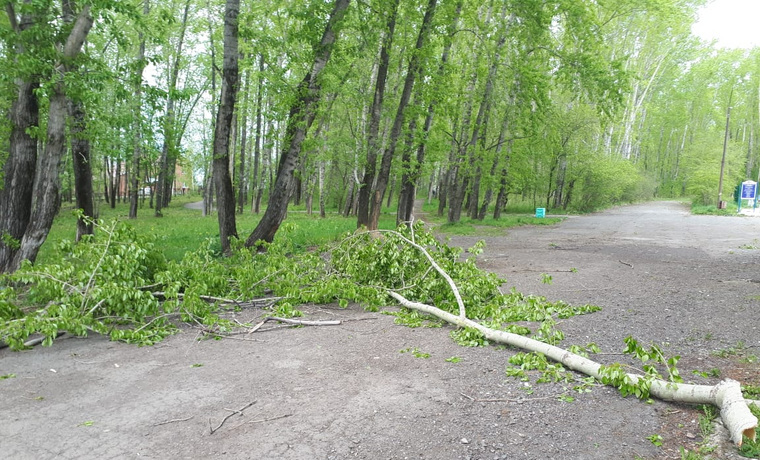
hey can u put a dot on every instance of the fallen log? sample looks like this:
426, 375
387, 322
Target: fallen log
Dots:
726, 395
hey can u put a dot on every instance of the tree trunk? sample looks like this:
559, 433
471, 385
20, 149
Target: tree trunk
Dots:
301, 116
20, 166
242, 186
46, 186
222, 179
137, 126
406, 93
257, 146
484, 114
170, 144
376, 111
80, 152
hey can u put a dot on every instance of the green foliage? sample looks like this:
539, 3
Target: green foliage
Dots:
469, 337
548, 371
96, 285
387, 261
655, 439
414, 351
751, 391
606, 180
119, 284
617, 376
414, 318
750, 448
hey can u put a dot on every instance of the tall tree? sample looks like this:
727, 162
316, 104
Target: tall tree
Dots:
35, 214
300, 119
376, 111
168, 161
411, 171
137, 152
415, 64
223, 127
20, 166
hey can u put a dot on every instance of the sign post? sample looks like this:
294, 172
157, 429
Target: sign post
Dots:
748, 191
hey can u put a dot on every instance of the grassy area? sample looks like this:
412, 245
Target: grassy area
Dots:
712, 210
181, 229
516, 215
491, 227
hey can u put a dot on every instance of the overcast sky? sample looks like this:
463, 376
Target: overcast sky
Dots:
733, 23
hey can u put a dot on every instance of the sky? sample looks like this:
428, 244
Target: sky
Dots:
733, 23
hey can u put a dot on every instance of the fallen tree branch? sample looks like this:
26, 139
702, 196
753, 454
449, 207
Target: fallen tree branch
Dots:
238, 411
441, 271
294, 322
303, 322
269, 301
174, 420
33, 342
726, 395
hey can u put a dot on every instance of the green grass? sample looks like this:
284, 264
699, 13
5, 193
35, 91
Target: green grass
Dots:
516, 215
712, 210
491, 227
181, 230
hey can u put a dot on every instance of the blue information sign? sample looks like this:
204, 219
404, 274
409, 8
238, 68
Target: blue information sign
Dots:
749, 190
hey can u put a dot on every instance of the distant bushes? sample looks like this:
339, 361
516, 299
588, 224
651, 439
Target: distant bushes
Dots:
608, 181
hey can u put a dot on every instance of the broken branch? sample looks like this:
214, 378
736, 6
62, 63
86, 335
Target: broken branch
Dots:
173, 421
726, 395
239, 411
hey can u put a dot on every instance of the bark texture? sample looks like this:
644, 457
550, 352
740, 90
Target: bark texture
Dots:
35, 214
20, 167
222, 178
80, 152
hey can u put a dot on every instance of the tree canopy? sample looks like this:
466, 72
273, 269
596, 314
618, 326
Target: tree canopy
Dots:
564, 104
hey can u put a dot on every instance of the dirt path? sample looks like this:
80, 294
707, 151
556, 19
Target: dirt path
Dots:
348, 392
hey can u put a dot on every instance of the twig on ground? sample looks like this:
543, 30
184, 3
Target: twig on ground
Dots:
173, 421
267, 301
261, 421
292, 322
225, 336
303, 322
625, 263
512, 399
239, 411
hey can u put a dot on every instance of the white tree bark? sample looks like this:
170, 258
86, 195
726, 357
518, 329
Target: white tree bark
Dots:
726, 395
